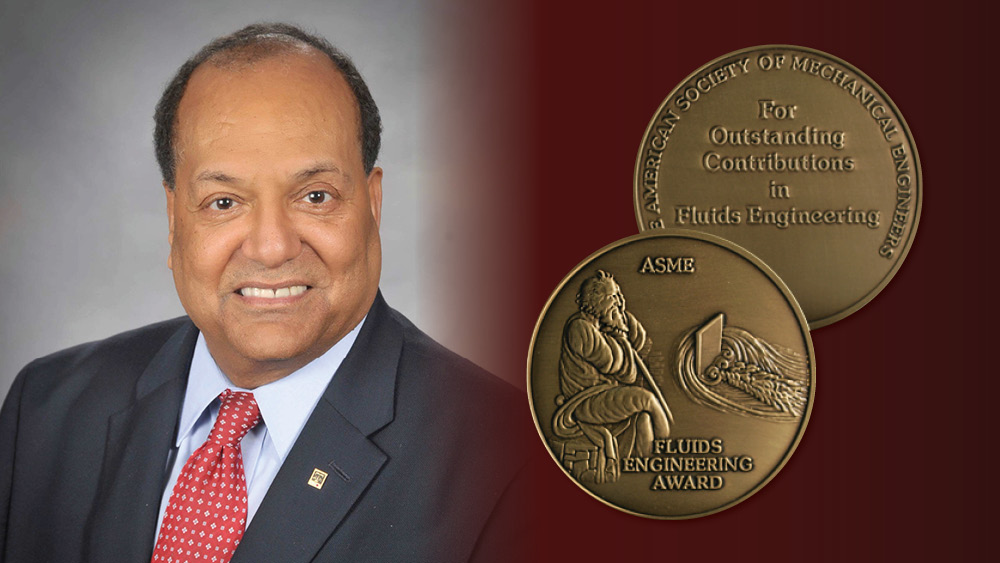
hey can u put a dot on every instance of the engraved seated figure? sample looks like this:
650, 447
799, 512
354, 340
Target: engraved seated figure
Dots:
601, 397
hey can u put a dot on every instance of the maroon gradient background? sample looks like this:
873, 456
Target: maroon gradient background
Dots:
896, 462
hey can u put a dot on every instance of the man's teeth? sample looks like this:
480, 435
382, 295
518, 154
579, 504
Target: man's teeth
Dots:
273, 293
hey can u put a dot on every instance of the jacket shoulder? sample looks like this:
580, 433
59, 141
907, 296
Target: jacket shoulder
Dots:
138, 340
126, 353
440, 367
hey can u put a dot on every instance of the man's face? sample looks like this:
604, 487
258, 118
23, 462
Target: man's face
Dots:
274, 238
612, 308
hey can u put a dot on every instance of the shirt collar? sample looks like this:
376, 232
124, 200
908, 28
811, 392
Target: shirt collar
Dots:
285, 404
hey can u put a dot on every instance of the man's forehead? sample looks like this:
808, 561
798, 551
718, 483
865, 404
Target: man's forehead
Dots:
295, 92
288, 74
606, 287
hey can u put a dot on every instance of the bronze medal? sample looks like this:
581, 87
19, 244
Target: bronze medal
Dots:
798, 157
671, 374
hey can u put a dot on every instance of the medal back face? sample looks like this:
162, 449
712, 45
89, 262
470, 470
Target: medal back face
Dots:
796, 156
671, 374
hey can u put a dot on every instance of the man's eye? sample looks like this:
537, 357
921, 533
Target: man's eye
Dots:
222, 204
318, 197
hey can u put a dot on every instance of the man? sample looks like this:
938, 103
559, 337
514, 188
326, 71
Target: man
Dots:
352, 436
602, 397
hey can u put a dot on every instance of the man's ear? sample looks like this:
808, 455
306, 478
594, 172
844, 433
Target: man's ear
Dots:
170, 219
375, 194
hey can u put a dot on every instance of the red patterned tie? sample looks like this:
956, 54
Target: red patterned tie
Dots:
207, 513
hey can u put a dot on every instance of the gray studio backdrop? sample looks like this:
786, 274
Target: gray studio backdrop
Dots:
83, 230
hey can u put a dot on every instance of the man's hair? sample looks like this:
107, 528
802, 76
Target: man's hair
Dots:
593, 290
245, 47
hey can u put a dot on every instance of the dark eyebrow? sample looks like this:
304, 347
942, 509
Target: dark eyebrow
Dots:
222, 177
321, 168
215, 176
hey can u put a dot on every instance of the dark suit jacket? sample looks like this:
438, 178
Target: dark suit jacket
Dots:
418, 444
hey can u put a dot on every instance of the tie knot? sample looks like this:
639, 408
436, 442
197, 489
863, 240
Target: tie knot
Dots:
237, 415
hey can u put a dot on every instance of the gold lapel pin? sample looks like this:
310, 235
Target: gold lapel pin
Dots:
317, 479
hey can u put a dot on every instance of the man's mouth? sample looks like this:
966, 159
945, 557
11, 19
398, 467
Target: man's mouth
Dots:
272, 293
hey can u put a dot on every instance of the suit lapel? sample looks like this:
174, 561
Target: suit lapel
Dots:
139, 441
296, 519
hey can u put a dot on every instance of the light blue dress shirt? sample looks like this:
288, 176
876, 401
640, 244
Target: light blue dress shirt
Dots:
285, 405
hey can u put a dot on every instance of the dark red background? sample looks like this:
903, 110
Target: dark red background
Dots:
896, 462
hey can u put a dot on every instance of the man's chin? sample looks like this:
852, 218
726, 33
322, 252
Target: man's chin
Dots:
276, 344
274, 354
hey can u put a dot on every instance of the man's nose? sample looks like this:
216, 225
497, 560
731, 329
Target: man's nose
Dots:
273, 238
